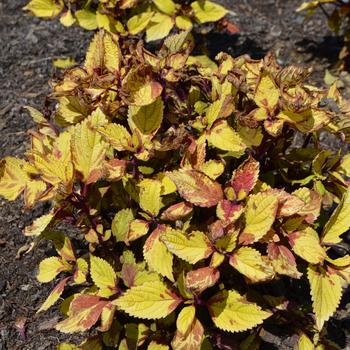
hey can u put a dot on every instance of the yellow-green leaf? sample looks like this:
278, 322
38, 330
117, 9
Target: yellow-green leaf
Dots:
64, 63
86, 19
234, 313
138, 23
88, 150
45, 8
157, 256
148, 118
150, 301
306, 244
191, 248
259, 216
49, 268
102, 274
250, 263
150, 200
326, 292
304, 343
67, 19
121, 224
223, 137
159, 27
117, 136
185, 319
39, 225
267, 93
339, 221
166, 6
208, 11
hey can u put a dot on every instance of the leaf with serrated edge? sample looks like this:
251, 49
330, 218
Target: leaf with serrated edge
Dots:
222, 136
85, 310
157, 255
49, 268
149, 301
326, 292
103, 274
191, 248
150, 200
339, 221
234, 313
208, 11
54, 295
259, 216
251, 264
196, 187
306, 244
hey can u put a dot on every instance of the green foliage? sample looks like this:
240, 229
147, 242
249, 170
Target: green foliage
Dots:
189, 190
157, 18
338, 18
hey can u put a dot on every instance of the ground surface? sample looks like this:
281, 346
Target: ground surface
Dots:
27, 47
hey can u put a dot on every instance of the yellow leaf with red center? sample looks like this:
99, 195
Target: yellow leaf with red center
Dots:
54, 295
88, 150
267, 93
228, 212
103, 275
245, 178
193, 338
199, 280
339, 221
56, 166
250, 263
191, 248
259, 215
157, 255
84, 312
232, 312
312, 201
196, 187
137, 229
288, 204
224, 137
326, 292
149, 301
177, 211
49, 268
15, 177
141, 88
306, 244
149, 196
283, 260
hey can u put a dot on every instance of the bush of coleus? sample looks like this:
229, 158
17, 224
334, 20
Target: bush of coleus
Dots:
338, 18
155, 17
202, 201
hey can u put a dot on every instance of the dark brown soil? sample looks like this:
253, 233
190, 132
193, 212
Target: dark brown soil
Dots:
27, 47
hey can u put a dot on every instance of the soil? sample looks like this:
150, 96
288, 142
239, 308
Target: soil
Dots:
27, 47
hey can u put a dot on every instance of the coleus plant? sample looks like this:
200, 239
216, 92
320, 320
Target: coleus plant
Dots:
155, 17
183, 209
338, 20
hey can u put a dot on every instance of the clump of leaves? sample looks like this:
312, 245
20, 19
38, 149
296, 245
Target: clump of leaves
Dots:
338, 20
155, 17
198, 214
